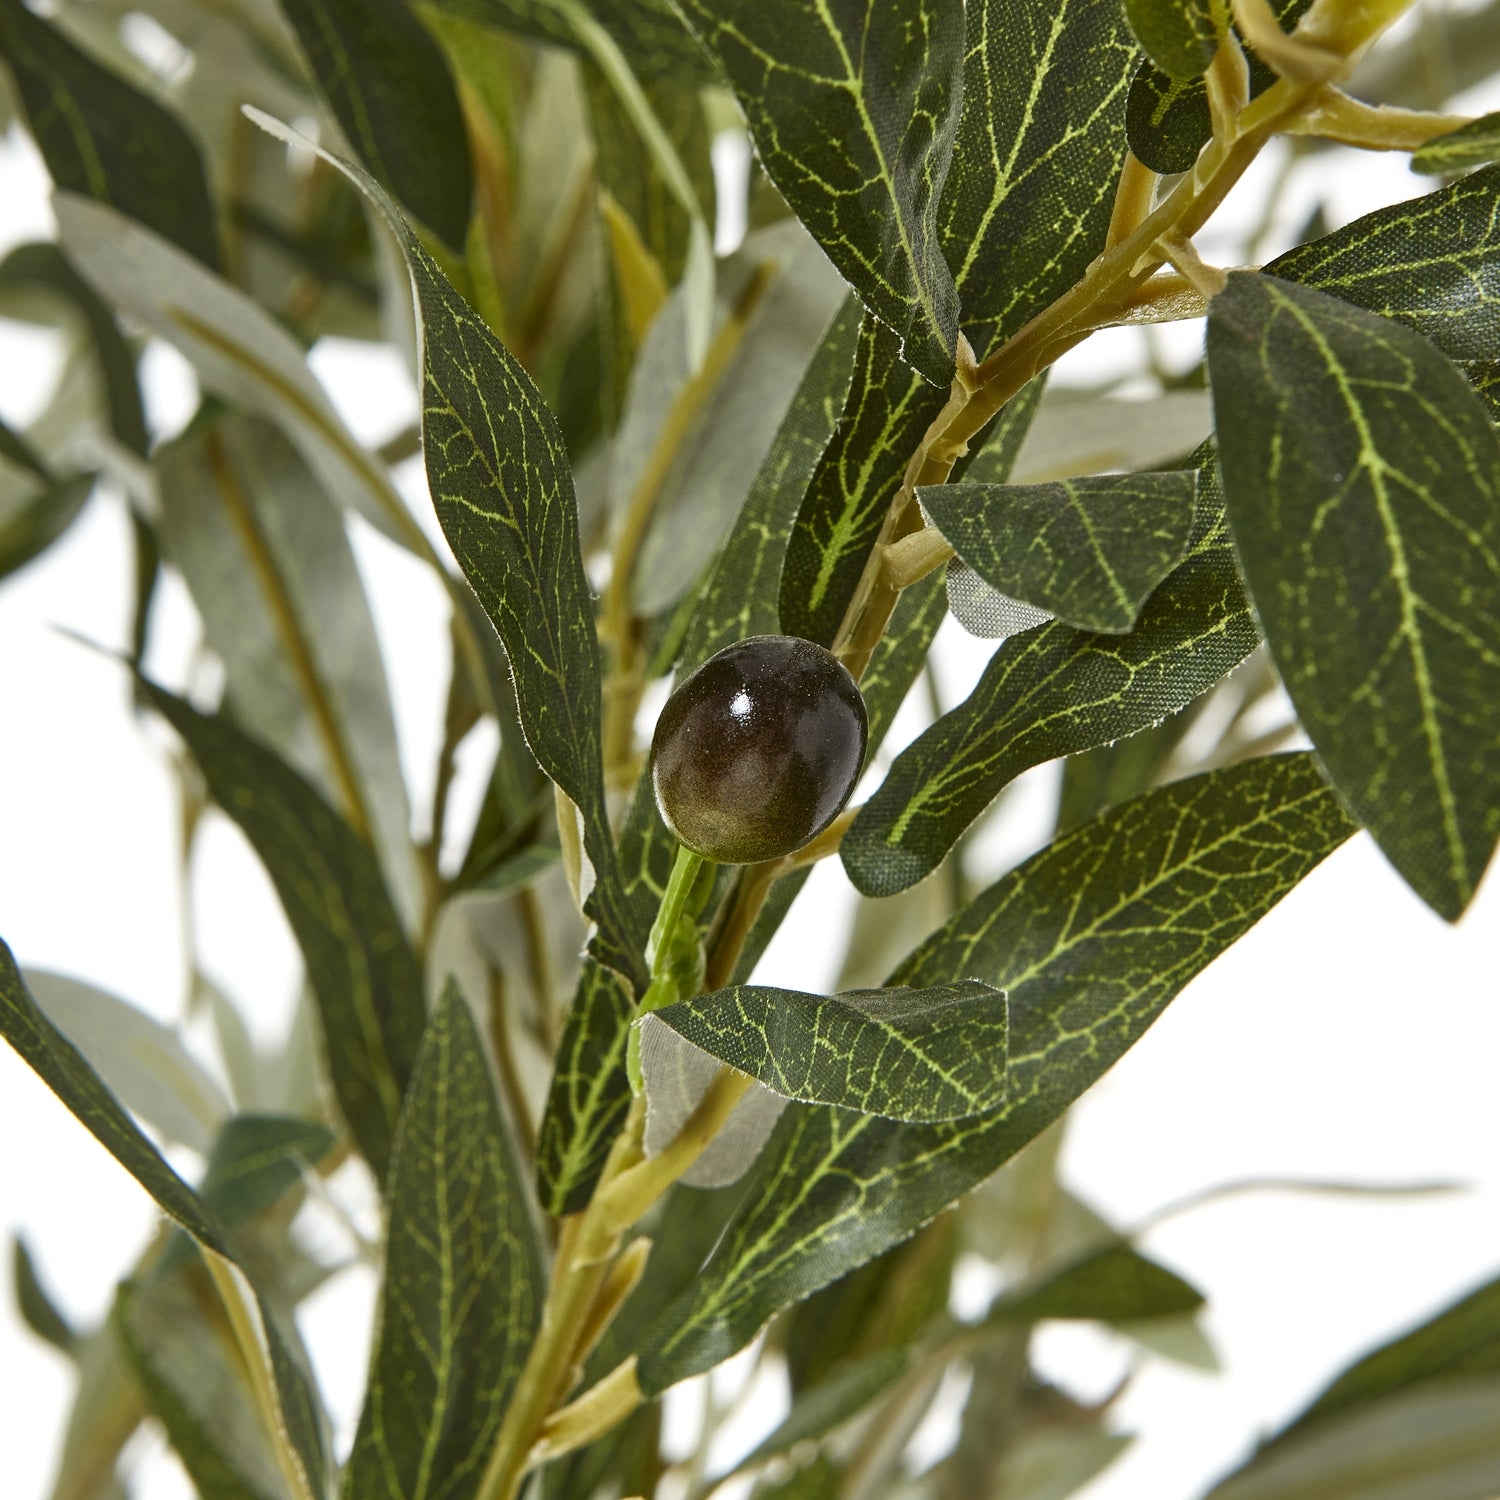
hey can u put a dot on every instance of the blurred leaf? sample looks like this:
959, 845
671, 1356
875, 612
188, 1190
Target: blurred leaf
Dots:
101, 136
1471, 145
1362, 478
1114, 1284
934, 1054
38, 1311
388, 83
258, 1158
1178, 35
503, 490
853, 114
29, 527
105, 1413
590, 1095
1054, 691
67, 1073
1040, 140
269, 565
361, 967
1051, 1465
819, 1479
143, 1062
1091, 938
236, 347
1089, 551
16, 451
464, 1281
1072, 435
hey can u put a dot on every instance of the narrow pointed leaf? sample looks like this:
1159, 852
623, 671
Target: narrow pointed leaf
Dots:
1040, 141
388, 82
853, 111
28, 528
256, 1160
463, 1287
933, 1054
67, 1073
1089, 551
101, 136
1362, 479
237, 348
360, 965
1091, 939
1054, 691
499, 475
34, 1303
1471, 145
1178, 35
1115, 1284
590, 1093
266, 557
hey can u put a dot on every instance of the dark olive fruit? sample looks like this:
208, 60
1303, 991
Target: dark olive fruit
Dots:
758, 750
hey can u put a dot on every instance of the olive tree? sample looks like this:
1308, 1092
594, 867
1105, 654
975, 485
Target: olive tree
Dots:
608, 1160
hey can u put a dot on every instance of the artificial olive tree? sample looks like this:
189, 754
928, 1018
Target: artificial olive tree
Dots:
769, 476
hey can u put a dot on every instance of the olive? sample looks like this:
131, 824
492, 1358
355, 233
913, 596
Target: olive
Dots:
757, 751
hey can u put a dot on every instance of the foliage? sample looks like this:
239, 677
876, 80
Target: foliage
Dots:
637, 454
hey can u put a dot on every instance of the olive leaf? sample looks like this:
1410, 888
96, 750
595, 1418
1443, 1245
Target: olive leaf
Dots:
1362, 481
38, 1311
359, 962
389, 85
853, 112
1112, 1284
101, 136
1471, 145
1055, 691
928, 1054
1091, 939
1178, 35
1089, 551
462, 1295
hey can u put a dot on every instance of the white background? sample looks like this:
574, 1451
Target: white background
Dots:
1351, 1035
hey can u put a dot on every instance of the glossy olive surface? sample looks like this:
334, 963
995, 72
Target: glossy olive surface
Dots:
758, 750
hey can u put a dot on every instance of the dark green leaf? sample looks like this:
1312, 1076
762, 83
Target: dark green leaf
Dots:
1178, 35
1362, 479
1091, 938
28, 529
38, 1311
1432, 263
359, 963
818, 1480
65, 1071
1054, 691
15, 450
388, 82
590, 1094
463, 1287
256, 1160
499, 476
933, 1054
1115, 1284
102, 137
887, 411
1471, 145
1039, 147
1089, 551
853, 112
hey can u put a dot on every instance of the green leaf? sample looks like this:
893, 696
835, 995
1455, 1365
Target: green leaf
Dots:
462, 1295
500, 481
268, 562
360, 965
887, 411
1178, 35
1471, 145
590, 1095
1114, 1284
238, 349
1362, 478
1089, 551
143, 1062
38, 1311
932, 1054
257, 1159
67, 1073
102, 137
1054, 691
820, 1479
1432, 264
1091, 939
1040, 141
853, 112
29, 527
389, 85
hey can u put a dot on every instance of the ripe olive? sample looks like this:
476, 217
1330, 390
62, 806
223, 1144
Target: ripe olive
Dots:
757, 751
